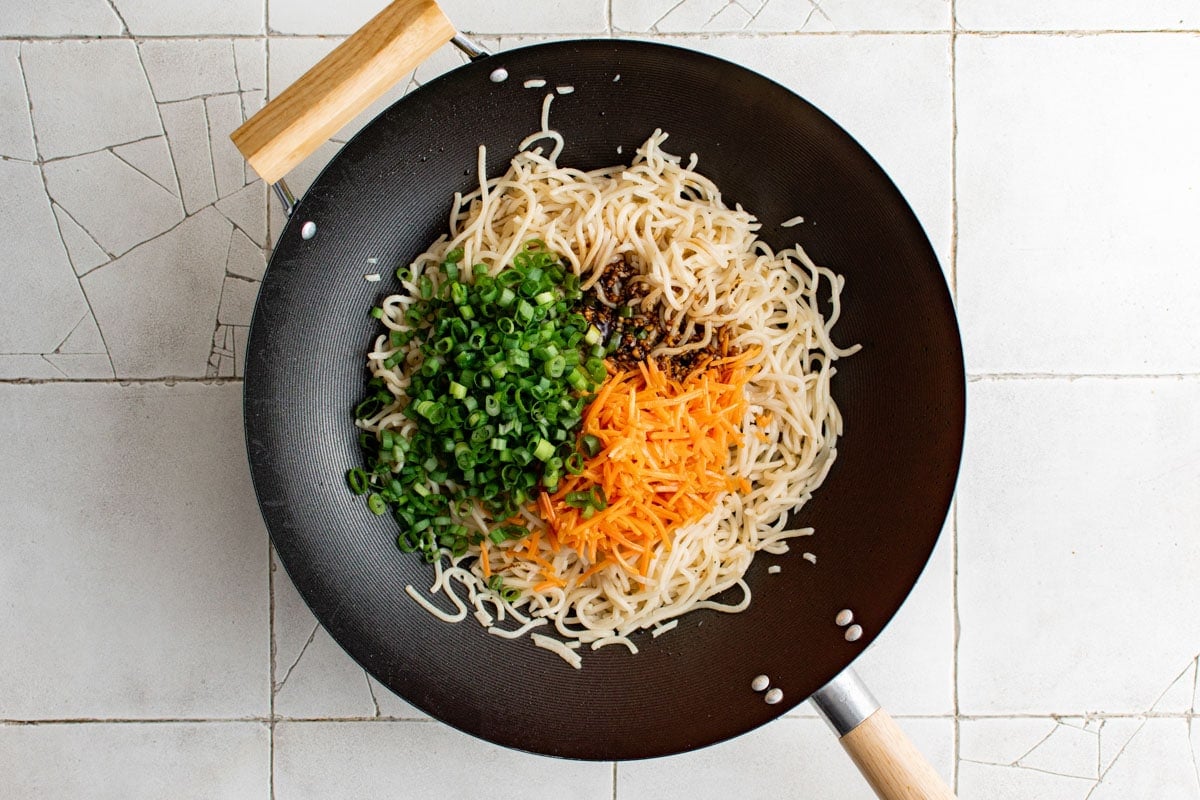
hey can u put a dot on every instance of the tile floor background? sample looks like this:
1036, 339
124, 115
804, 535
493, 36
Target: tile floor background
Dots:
149, 647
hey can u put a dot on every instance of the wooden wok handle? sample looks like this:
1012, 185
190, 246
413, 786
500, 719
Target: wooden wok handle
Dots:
891, 763
886, 757
340, 85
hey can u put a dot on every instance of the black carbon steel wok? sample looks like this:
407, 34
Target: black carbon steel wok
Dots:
386, 196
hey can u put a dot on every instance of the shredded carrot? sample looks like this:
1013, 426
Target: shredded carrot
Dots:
665, 448
484, 561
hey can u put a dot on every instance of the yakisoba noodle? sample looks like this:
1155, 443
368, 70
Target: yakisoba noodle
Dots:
704, 265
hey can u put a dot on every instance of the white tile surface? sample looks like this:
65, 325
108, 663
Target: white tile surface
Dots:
690, 16
316, 760
521, 16
158, 303
1038, 15
180, 69
155, 18
1105, 759
787, 758
117, 205
68, 18
139, 589
1077, 200
16, 132
183, 761
41, 301
1077, 523
74, 88
313, 675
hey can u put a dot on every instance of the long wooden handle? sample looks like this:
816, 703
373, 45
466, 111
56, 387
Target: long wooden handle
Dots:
891, 763
342, 84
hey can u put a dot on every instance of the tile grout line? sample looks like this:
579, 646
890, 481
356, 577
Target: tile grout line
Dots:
957, 726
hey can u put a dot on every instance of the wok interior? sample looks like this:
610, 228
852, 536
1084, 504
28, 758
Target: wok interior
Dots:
877, 517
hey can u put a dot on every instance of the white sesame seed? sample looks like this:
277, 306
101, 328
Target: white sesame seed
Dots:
853, 633
308, 230
844, 617
774, 696
774, 569
373, 277
760, 683
499, 75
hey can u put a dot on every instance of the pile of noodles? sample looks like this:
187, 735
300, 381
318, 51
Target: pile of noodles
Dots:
705, 267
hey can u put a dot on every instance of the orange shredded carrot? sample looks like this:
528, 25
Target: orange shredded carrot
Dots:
665, 446
484, 561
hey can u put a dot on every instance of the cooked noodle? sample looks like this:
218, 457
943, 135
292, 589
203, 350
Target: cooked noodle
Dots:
705, 266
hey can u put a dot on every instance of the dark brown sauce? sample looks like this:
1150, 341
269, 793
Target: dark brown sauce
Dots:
638, 330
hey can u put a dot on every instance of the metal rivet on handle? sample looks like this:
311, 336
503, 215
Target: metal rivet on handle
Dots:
308, 230
499, 75
774, 696
760, 683
854, 633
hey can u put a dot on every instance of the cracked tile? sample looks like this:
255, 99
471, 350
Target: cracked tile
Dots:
85, 338
371, 759
224, 116
1029, 15
787, 758
1069, 750
152, 158
247, 209
778, 16
237, 301
512, 16
76, 89
180, 760
15, 366
187, 133
16, 131
323, 680
117, 205
246, 259
78, 17
84, 253
154, 18
183, 69
82, 365
1031, 447
129, 608
250, 63
156, 304
41, 301
1042, 203
1156, 763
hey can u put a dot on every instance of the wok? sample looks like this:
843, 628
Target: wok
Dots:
386, 196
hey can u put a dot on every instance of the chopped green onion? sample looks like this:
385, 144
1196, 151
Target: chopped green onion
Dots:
542, 450
457, 390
